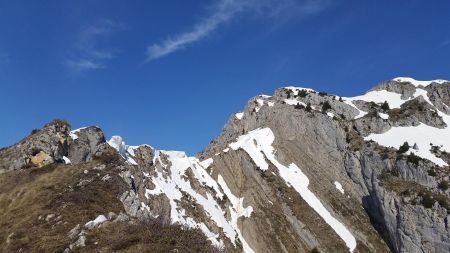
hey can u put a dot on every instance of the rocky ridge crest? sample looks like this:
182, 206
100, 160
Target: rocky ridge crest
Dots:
296, 171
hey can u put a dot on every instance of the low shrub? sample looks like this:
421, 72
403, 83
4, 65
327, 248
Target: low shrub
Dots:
326, 106
385, 106
432, 172
299, 106
403, 148
412, 158
443, 185
302, 93
308, 107
427, 200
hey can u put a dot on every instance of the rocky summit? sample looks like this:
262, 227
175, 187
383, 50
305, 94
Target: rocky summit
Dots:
298, 171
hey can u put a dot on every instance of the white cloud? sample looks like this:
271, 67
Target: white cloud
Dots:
83, 64
89, 51
224, 11
445, 43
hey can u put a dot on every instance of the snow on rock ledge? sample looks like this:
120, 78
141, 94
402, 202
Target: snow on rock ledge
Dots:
73, 133
124, 150
416, 82
99, 220
258, 144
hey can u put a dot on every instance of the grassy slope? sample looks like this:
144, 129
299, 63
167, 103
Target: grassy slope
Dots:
28, 196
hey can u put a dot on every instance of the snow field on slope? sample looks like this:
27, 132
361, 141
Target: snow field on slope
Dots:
423, 135
173, 186
236, 210
258, 144
416, 82
124, 150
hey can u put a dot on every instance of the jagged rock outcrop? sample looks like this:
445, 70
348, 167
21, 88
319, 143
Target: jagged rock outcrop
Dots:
84, 143
42, 147
294, 172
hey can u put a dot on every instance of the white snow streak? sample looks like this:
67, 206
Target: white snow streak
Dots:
73, 133
294, 102
339, 187
236, 210
173, 186
258, 144
66, 160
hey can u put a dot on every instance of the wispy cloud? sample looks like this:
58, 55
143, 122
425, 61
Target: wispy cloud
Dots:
83, 64
445, 43
90, 50
223, 11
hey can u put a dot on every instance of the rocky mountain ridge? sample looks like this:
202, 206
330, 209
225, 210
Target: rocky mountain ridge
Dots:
298, 171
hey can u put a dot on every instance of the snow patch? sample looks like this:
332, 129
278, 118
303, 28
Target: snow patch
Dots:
379, 96
239, 115
99, 220
294, 102
260, 102
422, 135
297, 89
124, 150
175, 184
339, 187
383, 115
66, 160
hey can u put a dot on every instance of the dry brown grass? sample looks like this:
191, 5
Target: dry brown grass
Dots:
150, 236
28, 196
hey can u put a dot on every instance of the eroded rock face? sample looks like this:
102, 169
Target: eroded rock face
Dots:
439, 94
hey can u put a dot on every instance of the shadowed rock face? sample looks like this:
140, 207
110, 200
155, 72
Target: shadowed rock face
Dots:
292, 172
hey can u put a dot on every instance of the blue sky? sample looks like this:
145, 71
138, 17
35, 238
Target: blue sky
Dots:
171, 72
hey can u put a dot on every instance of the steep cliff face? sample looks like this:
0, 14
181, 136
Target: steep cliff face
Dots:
294, 172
